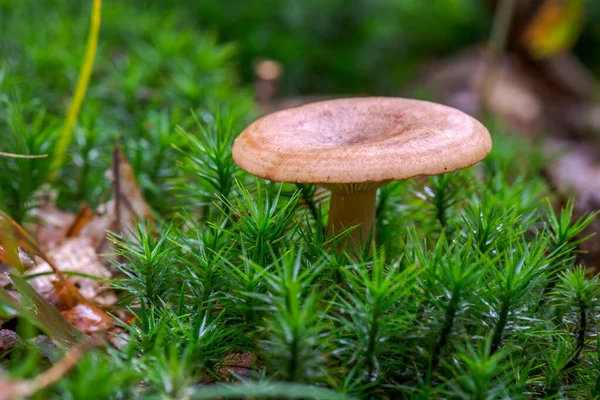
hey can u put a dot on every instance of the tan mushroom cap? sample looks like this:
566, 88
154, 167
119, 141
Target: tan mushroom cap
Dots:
358, 140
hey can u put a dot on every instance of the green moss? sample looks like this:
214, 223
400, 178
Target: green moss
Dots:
473, 290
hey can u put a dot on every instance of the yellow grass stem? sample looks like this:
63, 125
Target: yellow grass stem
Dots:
80, 89
12, 155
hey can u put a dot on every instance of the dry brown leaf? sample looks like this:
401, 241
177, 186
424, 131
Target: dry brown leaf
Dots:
17, 248
576, 172
554, 28
51, 225
236, 365
129, 204
96, 230
76, 255
126, 207
77, 246
78, 311
83, 217
514, 101
18, 245
88, 318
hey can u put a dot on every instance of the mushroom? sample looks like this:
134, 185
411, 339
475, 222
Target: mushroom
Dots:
354, 146
268, 73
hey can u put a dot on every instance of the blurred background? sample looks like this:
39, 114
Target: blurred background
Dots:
323, 47
331, 47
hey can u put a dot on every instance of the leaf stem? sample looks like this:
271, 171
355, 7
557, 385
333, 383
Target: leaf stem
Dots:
445, 332
499, 329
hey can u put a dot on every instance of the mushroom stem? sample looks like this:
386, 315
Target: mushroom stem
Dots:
350, 209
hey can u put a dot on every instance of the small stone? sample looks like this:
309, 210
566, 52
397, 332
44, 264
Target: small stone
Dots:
9, 340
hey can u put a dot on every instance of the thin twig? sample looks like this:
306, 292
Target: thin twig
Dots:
116, 171
59, 369
27, 388
11, 155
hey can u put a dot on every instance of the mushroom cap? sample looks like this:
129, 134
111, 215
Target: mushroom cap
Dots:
361, 140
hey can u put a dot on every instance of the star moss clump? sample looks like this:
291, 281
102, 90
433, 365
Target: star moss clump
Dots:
472, 290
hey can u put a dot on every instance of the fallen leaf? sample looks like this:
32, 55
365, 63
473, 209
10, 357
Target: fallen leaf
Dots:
88, 318
97, 228
77, 310
9, 251
17, 248
45, 316
123, 211
554, 28
66, 295
576, 172
76, 255
50, 225
77, 249
514, 101
236, 365
130, 206
83, 217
